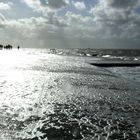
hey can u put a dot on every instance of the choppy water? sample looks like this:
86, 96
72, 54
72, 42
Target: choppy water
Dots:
59, 97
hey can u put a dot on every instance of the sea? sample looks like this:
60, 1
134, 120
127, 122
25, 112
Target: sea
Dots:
59, 94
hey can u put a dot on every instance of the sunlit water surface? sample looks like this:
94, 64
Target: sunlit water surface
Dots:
48, 96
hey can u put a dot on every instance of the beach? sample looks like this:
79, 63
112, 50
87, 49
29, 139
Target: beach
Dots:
44, 95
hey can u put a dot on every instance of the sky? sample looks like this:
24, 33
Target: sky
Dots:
70, 23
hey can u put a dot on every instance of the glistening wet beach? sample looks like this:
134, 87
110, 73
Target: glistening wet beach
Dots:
49, 96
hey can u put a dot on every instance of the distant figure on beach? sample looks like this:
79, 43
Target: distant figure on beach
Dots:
18, 47
7, 47
1, 47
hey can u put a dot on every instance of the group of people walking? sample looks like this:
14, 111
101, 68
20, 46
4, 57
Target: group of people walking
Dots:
7, 47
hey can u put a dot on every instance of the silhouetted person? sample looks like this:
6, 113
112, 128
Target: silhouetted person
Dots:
1, 47
18, 47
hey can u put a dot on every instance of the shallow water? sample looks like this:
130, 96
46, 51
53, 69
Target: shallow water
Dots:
48, 96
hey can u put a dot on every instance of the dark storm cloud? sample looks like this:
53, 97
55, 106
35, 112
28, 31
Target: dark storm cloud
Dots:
55, 4
122, 3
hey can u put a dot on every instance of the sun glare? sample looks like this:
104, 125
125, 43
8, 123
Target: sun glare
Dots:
9, 58
12, 59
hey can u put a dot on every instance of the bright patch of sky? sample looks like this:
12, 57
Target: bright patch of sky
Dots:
19, 10
46, 1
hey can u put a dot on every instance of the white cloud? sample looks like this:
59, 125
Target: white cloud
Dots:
5, 6
79, 5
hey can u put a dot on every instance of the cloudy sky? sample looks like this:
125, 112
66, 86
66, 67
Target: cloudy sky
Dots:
70, 23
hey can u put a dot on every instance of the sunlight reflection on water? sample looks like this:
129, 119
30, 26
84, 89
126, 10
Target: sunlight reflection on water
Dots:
20, 89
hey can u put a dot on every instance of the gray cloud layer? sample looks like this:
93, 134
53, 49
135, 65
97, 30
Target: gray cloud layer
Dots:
110, 23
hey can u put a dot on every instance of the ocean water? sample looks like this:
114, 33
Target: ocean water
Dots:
47, 95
